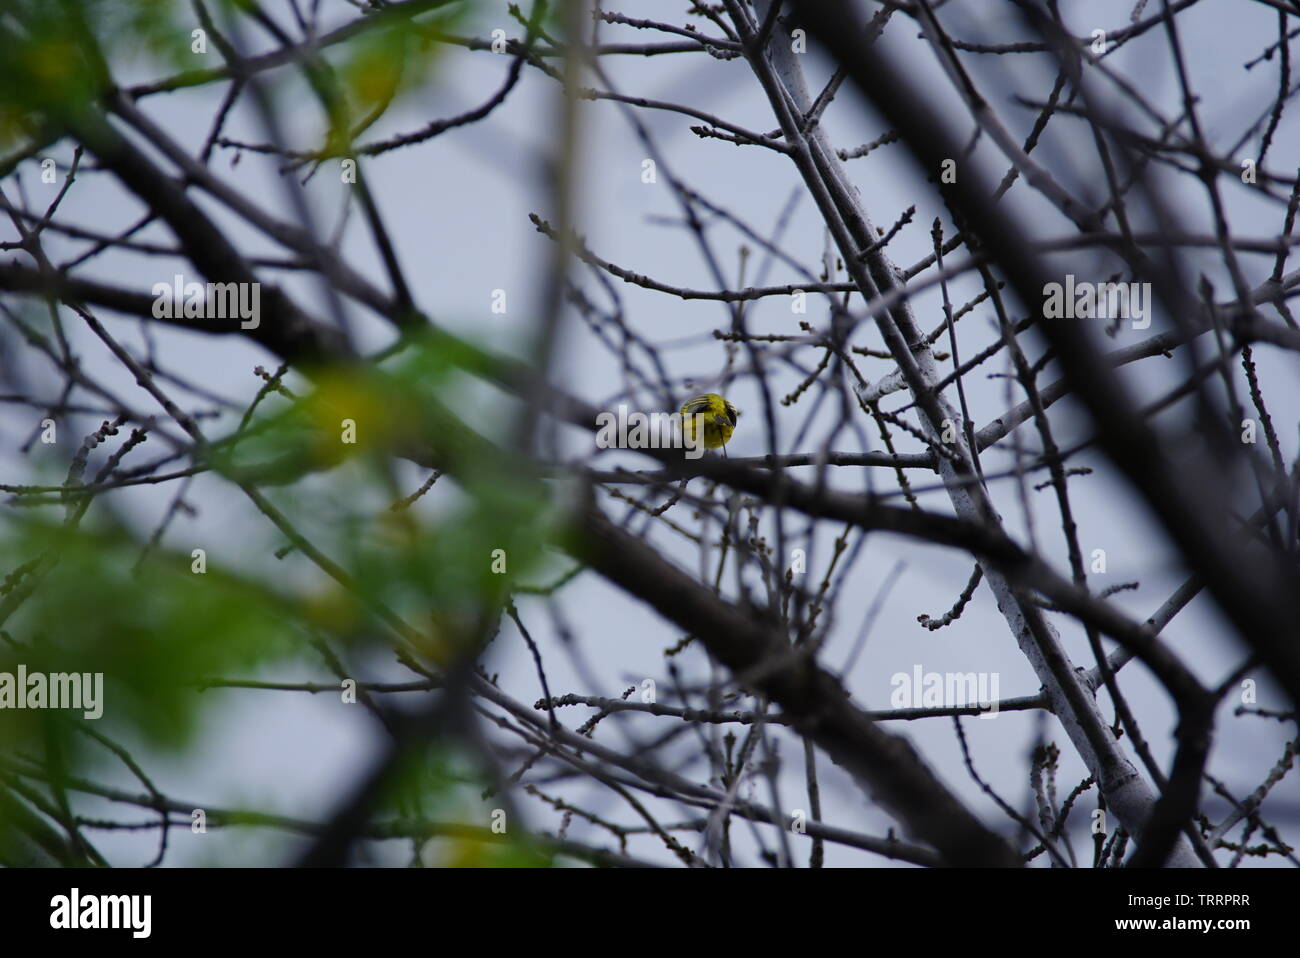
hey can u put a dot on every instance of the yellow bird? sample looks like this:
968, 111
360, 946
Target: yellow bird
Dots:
719, 419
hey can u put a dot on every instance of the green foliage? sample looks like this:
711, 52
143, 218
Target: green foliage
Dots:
51, 67
158, 31
440, 784
152, 630
60, 56
79, 599
445, 571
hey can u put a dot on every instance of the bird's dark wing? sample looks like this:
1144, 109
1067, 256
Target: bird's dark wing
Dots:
695, 406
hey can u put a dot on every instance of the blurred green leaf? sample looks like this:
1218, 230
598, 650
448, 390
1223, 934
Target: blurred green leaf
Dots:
152, 631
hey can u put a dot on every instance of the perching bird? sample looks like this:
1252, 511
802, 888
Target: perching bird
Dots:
719, 419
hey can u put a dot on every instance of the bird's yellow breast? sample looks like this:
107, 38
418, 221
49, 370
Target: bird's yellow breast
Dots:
717, 415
